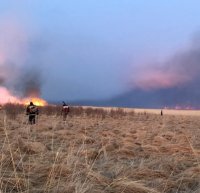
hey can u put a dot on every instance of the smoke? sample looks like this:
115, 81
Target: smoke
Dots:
172, 82
6, 96
181, 69
29, 83
17, 76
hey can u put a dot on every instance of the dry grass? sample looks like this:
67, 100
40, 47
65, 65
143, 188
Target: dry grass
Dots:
98, 151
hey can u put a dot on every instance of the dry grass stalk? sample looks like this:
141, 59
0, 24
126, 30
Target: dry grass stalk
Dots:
99, 150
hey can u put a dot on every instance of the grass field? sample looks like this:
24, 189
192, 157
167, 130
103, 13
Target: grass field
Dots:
104, 150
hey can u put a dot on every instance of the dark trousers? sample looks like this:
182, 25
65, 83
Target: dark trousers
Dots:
64, 116
31, 119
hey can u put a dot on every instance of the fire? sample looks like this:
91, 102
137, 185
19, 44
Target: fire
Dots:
7, 97
36, 101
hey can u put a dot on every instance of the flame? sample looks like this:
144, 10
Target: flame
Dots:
7, 97
36, 101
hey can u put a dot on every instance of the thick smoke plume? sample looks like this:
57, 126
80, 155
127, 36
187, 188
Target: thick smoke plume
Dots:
173, 82
16, 75
29, 83
181, 69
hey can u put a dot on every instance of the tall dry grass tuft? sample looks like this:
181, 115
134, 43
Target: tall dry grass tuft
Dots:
118, 113
12, 110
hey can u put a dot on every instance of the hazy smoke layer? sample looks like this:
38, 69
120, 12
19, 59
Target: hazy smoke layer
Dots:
179, 70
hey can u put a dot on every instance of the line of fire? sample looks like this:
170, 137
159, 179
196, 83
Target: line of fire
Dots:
7, 97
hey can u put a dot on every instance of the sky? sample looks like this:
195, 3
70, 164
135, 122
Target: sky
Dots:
97, 49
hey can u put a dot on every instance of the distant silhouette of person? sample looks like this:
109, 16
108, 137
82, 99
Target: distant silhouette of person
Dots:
65, 111
32, 111
161, 113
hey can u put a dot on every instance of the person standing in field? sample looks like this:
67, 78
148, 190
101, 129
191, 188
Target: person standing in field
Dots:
65, 111
32, 111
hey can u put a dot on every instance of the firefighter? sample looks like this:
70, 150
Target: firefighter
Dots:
65, 111
32, 111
